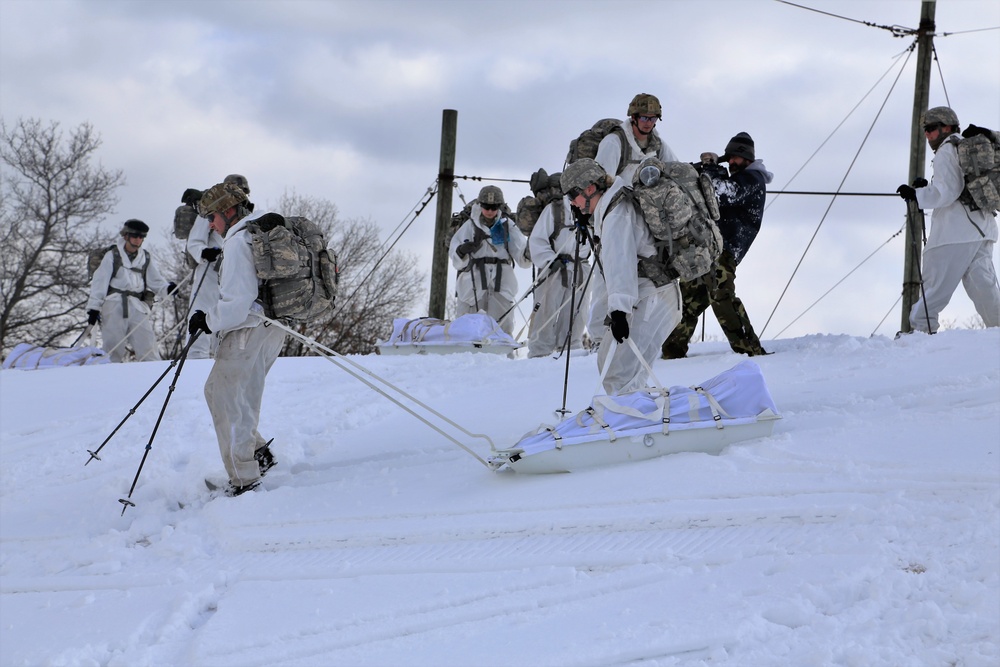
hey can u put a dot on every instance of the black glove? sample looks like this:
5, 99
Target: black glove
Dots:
171, 289
93, 317
920, 182
906, 192
211, 254
619, 325
465, 248
581, 219
973, 131
198, 323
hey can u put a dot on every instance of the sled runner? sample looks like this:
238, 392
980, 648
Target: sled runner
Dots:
476, 332
731, 407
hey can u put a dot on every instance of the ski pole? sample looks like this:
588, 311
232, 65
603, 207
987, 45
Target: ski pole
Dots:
86, 330
535, 285
912, 220
569, 331
94, 453
127, 502
187, 312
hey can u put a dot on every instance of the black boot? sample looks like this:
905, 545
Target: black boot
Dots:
265, 459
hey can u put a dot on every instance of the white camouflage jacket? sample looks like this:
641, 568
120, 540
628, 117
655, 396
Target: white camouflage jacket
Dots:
609, 152
128, 278
952, 222
238, 284
542, 251
491, 260
625, 238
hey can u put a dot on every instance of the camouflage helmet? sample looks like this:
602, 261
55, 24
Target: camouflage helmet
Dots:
943, 115
221, 197
238, 179
492, 195
582, 173
645, 104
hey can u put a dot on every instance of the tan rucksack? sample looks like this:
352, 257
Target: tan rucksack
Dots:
297, 272
680, 208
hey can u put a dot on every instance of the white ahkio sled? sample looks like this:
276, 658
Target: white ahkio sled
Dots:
731, 407
82, 352
476, 332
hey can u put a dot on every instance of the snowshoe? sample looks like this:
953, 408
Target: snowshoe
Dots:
265, 459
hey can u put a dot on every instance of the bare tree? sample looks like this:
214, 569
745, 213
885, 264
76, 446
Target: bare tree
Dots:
52, 197
375, 284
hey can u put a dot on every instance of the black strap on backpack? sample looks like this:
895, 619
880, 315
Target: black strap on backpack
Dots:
116, 263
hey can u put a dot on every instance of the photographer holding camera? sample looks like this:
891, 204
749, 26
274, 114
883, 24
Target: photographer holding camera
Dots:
741, 195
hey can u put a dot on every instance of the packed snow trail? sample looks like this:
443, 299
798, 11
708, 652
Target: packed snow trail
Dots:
866, 530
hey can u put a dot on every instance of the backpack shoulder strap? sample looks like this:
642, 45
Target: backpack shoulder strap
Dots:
558, 222
624, 193
116, 260
626, 148
145, 267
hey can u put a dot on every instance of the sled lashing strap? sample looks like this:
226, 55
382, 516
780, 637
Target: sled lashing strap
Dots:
421, 327
600, 422
664, 400
713, 404
555, 436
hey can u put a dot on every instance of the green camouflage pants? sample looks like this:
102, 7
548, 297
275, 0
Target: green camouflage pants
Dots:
717, 288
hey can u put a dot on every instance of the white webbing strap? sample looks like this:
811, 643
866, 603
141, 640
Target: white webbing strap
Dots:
555, 436
635, 350
607, 364
665, 413
717, 410
603, 424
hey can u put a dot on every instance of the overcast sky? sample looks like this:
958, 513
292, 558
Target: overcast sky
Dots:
343, 100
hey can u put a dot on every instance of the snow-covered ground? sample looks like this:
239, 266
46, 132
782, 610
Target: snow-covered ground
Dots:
865, 531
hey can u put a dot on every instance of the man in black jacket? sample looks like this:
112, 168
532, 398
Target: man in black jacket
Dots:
741, 206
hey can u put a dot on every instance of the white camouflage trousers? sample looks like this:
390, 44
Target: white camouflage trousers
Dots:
137, 329
653, 318
551, 314
598, 308
234, 390
970, 264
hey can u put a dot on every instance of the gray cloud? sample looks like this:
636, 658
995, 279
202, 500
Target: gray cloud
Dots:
343, 100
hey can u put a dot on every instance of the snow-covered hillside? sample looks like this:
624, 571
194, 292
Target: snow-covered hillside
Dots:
865, 531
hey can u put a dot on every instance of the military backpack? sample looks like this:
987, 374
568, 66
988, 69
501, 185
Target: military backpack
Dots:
297, 272
979, 158
680, 208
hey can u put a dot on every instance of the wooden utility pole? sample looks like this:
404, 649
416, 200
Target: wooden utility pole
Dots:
445, 184
918, 154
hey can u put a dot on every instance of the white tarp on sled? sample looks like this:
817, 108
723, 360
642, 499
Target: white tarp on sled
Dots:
31, 357
733, 406
476, 332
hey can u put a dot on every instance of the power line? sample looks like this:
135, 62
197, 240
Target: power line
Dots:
964, 32
834, 198
897, 31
